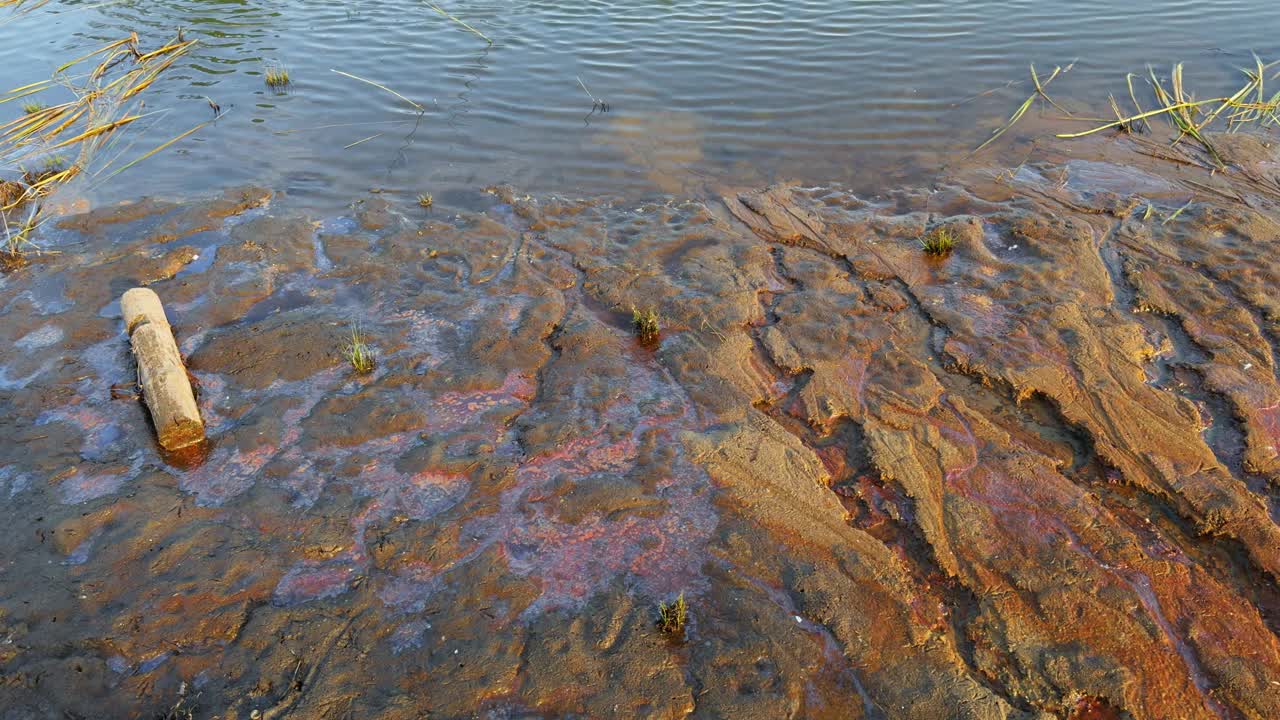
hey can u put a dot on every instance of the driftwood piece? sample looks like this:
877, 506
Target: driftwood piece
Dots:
161, 374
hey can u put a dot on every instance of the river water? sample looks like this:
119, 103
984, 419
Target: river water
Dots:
817, 90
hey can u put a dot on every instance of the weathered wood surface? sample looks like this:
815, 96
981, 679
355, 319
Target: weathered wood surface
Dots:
161, 374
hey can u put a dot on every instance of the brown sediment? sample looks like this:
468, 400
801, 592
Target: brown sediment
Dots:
1036, 478
10, 191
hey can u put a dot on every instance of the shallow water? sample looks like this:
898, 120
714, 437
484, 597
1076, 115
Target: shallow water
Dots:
1037, 477
880, 480
820, 91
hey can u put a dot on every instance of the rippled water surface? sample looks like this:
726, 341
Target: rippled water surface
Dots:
817, 90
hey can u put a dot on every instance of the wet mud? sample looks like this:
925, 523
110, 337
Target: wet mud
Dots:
1034, 478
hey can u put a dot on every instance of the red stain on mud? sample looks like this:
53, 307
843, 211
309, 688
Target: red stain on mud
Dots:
573, 558
85, 486
417, 495
107, 463
454, 410
230, 471
1094, 708
1027, 506
834, 460
1269, 418
314, 582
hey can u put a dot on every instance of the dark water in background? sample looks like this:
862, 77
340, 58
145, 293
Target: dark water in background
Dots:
819, 90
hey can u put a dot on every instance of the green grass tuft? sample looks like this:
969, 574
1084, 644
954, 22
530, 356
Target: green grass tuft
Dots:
358, 352
32, 108
672, 616
938, 243
277, 77
646, 324
49, 167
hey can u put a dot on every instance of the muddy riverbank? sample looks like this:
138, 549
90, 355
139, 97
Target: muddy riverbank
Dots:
1036, 477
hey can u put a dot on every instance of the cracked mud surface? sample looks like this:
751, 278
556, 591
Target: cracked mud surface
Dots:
1036, 478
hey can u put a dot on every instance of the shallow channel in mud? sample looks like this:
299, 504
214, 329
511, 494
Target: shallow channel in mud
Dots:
1035, 477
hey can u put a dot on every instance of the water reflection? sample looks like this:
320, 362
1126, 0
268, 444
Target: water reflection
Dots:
822, 91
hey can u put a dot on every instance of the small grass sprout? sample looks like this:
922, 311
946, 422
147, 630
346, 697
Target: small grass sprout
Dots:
939, 242
1176, 213
425, 200
52, 171
277, 77
17, 243
646, 324
31, 108
672, 616
358, 353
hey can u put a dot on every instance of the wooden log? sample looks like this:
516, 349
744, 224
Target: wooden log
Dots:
139, 306
163, 377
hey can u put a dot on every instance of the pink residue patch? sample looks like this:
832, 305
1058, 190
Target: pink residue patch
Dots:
1269, 419
101, 427
86, 486
109, 459
314, 581
409, 636
229, 471
658, 553
452, 411
388, 490
413, 587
